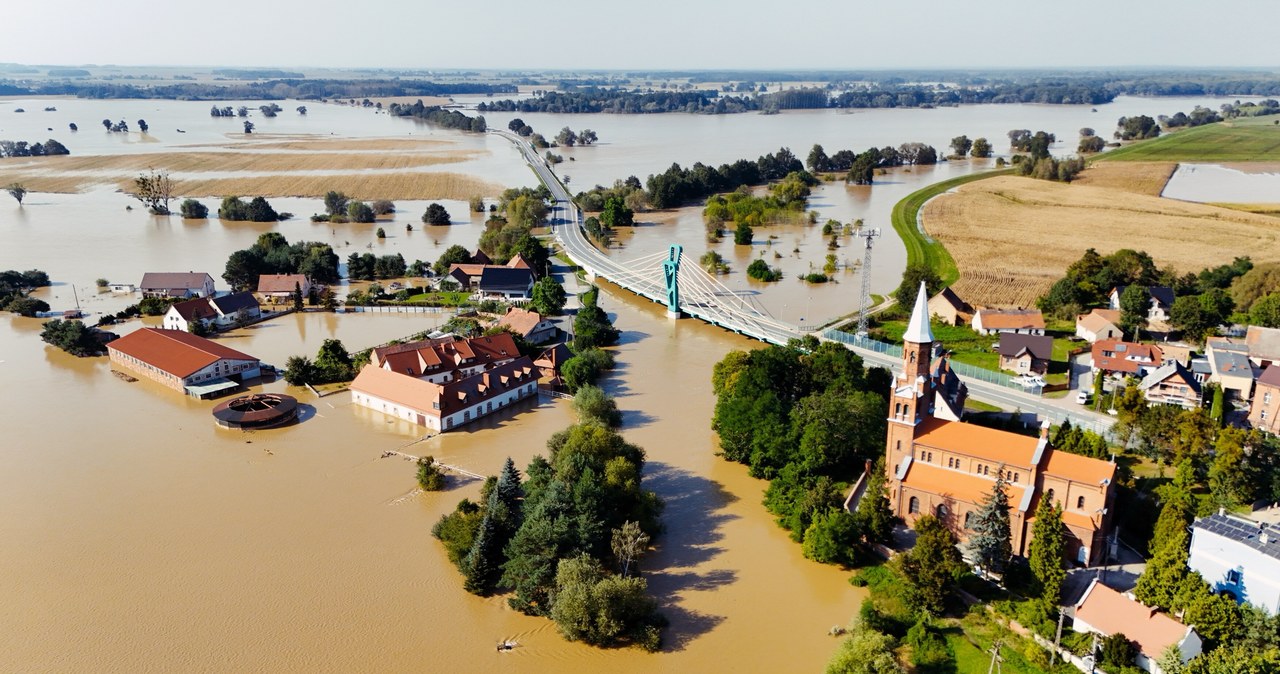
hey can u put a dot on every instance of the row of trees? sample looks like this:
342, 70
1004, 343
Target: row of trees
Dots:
14, 286
338, 207
676, 185
20, 148
786, 202
255, 210
979, 148
291, 86
273, 254
368, 266
451, 119
859, 168
74, 337
565, 538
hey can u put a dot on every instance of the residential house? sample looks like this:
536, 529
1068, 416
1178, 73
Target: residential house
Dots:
550, 362
176, 284
1231, 368
530, 325
446, 358
1238, 557
183, 361
1099, 324
1180, 352
1125, 359
1264, 345
121, 287
481, 257
941, 466
1018, 321
1161, 301
448, 405
1171, 384
1104, 611
216, 313
949, 308
1264, 412
1025, 354
279, 288
507, 283
469, 275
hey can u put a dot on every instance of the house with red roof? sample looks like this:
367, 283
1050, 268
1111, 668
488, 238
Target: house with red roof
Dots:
531, 325
1125, 359
280, 287
1264, 411
1105, 612
183, 361
1020, 321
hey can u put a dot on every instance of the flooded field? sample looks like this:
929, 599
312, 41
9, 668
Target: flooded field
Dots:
1226, 183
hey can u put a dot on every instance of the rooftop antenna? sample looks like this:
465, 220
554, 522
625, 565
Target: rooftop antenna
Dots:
869, 235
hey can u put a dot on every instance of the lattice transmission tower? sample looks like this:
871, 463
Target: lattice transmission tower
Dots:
869, 235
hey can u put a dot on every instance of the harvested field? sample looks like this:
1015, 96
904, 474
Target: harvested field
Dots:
1260, 209
1129, 176
306, 143
395, 186
58, 184
1012, 237
234, 162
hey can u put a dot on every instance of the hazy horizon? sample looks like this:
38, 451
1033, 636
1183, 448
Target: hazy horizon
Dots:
576, 35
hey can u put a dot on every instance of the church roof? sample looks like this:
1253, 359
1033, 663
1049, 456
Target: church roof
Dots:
918, 331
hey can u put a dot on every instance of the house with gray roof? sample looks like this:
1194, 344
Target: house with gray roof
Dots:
1025, 354
1238, 557
1263, 344
215, 313
1161, 302
506, 283
1231, 368
1171, 384
176, 284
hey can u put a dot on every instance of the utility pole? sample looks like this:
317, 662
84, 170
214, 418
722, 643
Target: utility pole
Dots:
869, 235
995, 666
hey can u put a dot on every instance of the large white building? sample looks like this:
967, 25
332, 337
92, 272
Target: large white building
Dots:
448, 405
1238, 557
183, 361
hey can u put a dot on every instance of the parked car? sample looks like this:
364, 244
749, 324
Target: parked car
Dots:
1082, 397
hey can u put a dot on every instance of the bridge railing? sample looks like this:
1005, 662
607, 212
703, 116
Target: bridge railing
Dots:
963, 369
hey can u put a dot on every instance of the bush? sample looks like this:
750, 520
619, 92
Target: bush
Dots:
193, 210
383, 207
429, 476
26, 306
359, 211
815, 278
761, 271
436, 215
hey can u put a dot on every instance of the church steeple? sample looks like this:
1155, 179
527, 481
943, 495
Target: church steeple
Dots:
918, 330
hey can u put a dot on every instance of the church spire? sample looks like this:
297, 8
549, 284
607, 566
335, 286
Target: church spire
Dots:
918, 331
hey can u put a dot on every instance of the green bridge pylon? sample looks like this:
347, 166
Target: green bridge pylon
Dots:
670, 272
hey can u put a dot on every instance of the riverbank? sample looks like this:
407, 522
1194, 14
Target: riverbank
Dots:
921, 248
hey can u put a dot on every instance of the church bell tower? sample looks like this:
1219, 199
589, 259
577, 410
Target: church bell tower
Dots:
912, 398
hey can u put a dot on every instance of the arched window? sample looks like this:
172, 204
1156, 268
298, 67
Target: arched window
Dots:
913, 356
897, 409
1049, 495
968, 517
1080, 503
942, 511
913, 506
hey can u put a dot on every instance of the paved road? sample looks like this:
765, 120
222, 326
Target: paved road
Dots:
567, 228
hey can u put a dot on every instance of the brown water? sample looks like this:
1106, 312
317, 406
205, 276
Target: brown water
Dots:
137, 536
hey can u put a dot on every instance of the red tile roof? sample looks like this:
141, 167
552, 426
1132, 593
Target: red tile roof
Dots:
198, 308
521, 321
281, 283
1079, 468
1110, 612
981, 442
1121, 352
1020, 319
959, 485
174, 351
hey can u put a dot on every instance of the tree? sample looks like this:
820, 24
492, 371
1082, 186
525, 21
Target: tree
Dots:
333, 363
1117, 652
832, 538
74, 337
548, 296
931, 565
1134, 305
629, 542
383, 207
592, 404
989, 543
1091, 144
142, 125
743, 234
875, 518
566, 137
592, 327
429, 476
1266, 311
193, 210
335, 203
515, 125
359, 211
601, 610
154, 190
616, 214
818, 160
910, 285
1048, 552
25, 306
960, 145
476, 203
302, 110
297, 296
1170, 660
248, 127
865, 651
436, 215
17, 191
452, 255
482, 565
981, 148
587, 137
299, 370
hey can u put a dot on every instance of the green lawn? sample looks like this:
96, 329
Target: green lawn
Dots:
443, 299
967, 346
919, 249
1251, 139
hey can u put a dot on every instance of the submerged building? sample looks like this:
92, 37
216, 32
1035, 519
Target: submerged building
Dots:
183, 362
939, 465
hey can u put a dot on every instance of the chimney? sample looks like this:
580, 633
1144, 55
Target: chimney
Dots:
1044, 429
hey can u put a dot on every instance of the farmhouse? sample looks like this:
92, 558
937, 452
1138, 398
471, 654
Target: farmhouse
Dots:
225, 311
1238, 557
1171, 384
447, 405
1025, 354
176, 284
469, 276
1264, 413
949, 308
1099, 324
1018, 321
182, 361
280, 287
528, 324
941, 466
1161, 301
1104, 611
1113, 356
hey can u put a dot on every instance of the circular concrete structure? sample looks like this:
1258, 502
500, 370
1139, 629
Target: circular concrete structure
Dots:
260, 410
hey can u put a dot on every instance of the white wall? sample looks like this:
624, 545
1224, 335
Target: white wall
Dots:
432, 417
1213, 556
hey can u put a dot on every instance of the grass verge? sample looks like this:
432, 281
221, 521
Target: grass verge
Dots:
906, 222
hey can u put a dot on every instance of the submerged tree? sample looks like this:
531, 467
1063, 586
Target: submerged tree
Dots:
154, 190
17, 191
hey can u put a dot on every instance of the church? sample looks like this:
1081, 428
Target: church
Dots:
939, 465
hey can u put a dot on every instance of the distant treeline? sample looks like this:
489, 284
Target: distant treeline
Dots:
9, 148
437, 115
269, 90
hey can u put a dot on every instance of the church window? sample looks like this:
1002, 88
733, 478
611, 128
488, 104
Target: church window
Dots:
1049, 494
1080, 503
942, 511
913, 506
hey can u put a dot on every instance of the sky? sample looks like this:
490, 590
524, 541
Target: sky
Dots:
644, 34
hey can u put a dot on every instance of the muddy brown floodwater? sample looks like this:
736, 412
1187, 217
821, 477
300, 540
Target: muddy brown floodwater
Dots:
140, 537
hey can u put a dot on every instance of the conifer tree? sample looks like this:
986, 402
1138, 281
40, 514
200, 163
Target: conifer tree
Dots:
481, 571
1159, 583
875, 518
989, 544
1048, 547
930, 566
